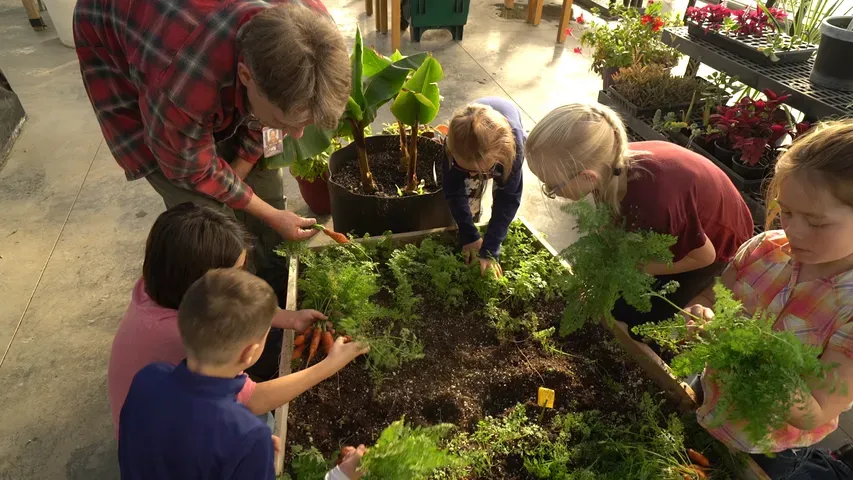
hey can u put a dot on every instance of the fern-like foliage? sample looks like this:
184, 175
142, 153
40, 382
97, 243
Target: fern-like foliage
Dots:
408, 452
607, 264
762, 373
306, 464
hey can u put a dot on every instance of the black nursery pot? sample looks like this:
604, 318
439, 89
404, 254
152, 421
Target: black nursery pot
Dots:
723, 154
832, 67
359, 214
748, 172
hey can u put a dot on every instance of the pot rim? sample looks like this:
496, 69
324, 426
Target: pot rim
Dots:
835, 32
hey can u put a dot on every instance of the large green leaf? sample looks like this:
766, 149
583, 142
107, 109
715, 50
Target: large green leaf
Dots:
420, 99
385, 85
374, 62
314, 140
357, 92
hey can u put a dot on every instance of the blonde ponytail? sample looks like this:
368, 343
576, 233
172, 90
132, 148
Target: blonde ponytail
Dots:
578, 137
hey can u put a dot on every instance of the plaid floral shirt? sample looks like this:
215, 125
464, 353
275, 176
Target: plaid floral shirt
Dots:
817, 311
162, 78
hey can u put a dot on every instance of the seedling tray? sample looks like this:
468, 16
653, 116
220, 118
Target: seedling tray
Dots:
641, 355
741, 183
626, 106
748, 46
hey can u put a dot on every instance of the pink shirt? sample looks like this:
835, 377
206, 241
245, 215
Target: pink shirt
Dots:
148, 333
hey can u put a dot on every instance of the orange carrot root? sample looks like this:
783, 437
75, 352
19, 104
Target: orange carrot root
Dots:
698, 458
337, 237
315, 342
326, 340
297, 352
299, 340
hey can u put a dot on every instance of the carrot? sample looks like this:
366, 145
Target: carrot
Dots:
307, 331
297, 352
326, 340
338, 237
697, 472
698, 458
347, 339
315, 342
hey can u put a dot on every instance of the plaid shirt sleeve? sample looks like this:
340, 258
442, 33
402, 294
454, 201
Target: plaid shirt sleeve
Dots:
251, 145
186, 153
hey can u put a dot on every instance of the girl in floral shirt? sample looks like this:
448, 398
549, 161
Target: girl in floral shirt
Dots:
803, 275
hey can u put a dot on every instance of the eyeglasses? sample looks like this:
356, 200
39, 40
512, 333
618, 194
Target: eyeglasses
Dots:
496, 171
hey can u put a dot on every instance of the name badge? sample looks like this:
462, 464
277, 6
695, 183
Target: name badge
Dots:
273, 142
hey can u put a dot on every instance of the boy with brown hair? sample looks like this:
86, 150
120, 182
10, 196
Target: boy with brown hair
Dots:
182, 90
184, 421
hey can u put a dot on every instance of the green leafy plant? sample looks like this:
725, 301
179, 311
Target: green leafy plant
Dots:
408, 452
633, 40
654, 85
606, 263
312, 168
762, 373
306, 464
417, 104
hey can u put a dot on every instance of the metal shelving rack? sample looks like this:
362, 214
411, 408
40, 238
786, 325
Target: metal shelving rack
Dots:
815, 102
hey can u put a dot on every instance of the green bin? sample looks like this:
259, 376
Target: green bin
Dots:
425, 15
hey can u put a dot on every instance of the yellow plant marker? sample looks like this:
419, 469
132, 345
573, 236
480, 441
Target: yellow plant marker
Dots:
546, 397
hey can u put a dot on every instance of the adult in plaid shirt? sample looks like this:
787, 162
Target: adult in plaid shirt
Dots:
182, 88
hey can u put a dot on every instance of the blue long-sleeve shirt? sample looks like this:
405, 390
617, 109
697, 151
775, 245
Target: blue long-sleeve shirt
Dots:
506, 197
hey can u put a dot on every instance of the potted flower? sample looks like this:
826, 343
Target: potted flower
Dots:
749, 129
312, 174
634, 40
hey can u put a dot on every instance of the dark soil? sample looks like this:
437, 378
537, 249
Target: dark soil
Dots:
383, 153
467, 374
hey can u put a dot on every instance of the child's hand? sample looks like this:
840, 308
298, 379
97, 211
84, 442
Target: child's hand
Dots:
276, 444
298, 320
700, 312
490, 264
472, 250
343, 353
350, 459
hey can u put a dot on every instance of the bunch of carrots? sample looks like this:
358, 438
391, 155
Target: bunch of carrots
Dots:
316, 337
337, 237
699, 468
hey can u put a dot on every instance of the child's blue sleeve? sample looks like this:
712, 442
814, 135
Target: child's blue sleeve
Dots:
257, 462
457, 200
506, 200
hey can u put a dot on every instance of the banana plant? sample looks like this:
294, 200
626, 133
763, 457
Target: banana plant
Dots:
376, 80
417, 104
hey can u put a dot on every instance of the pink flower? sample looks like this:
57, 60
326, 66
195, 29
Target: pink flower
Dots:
568, 31
580, 19
578, 50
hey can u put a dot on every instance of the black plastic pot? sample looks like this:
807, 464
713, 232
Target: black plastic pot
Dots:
723, 154
359, 214
833, 67
607, 76
748, 172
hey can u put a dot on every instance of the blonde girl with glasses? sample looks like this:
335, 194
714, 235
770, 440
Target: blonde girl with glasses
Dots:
581, 149
485, 141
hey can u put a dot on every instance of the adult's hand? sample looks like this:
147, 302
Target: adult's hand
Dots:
291, 226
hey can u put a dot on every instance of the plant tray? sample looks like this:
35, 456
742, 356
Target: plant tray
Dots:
502, 387
742, 184
626, 106
748, 46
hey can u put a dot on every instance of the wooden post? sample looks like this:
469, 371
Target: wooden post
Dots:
531, 9
534, 12
395, 25
368, 7
383, 10
378, 15
565, 17
36, 21
511, 3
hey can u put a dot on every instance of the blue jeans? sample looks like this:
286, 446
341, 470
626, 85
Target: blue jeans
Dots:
809, 463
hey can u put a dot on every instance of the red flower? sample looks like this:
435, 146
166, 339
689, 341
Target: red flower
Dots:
580, 19
578, 50
568, 31
658, 25
646, 19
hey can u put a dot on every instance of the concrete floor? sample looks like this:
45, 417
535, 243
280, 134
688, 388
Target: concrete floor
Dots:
72, 229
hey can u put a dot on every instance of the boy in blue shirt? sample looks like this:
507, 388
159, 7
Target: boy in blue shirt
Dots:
184, 421
484, 141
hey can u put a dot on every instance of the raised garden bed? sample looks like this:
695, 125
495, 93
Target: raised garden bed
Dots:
750, 47
482, 363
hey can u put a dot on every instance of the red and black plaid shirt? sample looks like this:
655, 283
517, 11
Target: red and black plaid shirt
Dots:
162, 77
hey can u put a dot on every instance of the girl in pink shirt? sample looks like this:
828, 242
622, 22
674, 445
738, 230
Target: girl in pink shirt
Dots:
185, 242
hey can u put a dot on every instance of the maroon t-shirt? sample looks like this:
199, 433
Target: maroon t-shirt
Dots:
676, 191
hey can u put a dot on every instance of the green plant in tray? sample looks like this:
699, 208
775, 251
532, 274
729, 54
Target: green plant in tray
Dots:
654, 85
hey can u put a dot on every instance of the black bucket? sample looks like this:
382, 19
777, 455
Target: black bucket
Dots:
832, 67
359, 214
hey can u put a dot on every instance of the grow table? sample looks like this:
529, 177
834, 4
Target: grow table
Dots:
656, 370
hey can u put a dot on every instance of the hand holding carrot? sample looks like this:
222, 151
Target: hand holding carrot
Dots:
342, 353
297, 320
349, 461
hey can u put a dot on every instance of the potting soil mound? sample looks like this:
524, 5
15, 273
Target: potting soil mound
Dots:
388, 171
